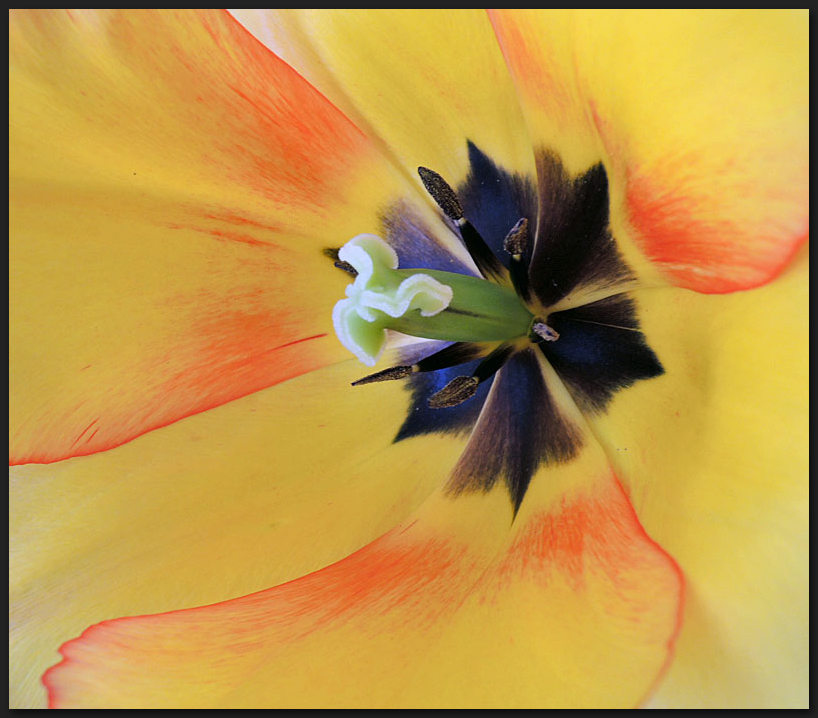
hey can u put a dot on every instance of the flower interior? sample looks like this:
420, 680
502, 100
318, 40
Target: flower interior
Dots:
547, 297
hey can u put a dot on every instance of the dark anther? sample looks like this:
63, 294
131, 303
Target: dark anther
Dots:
462, 388
395, 372
441, 193
446, 198
516, 243
516, 240
455, 392
345, 266
452, 355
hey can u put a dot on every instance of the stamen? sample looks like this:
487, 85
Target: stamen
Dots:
446, 198
516, 243
462, 388
452, 355
493, 362
544, 332
347, 267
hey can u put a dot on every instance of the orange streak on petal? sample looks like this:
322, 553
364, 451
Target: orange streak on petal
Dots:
535, 66
310, 135
585, 570
540, 52
220, 644
599, 536
690, 240
214, 383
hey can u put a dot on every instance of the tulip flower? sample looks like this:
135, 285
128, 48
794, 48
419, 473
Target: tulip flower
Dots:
563, 256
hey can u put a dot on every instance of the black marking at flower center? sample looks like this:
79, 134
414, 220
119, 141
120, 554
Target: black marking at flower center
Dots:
600, 351
574, 246
516, 424
519, 429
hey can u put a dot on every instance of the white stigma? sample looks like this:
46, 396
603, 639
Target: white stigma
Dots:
379, 293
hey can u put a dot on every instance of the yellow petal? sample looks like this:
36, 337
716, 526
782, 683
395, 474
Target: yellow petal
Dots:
168, 207
571, 605
539, 49
714, 454
420, 81
701, 118
221, 504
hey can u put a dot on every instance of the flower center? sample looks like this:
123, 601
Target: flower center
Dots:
487, 317
548, 327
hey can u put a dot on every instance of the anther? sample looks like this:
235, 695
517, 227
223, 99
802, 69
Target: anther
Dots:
345, 266
543, 332
458, 390
395, 372
516, 240
462, 388
441, 193
516, 243
446, 198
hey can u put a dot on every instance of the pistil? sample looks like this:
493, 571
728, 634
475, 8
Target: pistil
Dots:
424, 303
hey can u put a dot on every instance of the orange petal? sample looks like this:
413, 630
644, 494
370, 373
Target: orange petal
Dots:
701, 118
571, 605
172, 184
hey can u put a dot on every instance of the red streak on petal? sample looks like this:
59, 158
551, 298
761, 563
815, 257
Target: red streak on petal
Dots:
281, 363
232, 218
224, 235
84, 431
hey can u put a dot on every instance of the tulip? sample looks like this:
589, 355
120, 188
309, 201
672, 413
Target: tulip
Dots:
608, 509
